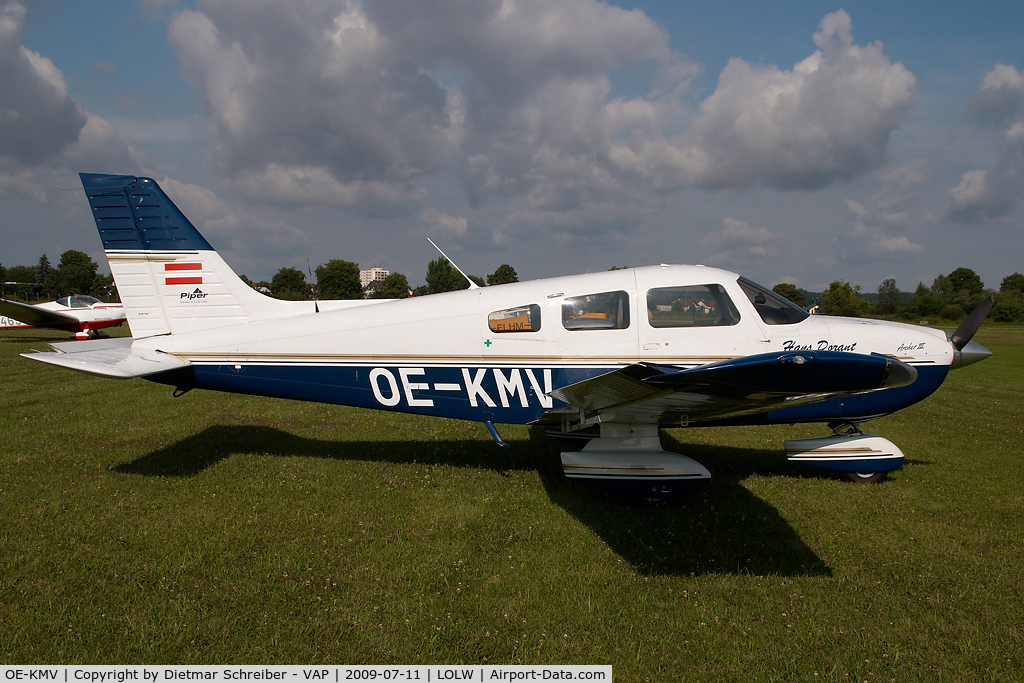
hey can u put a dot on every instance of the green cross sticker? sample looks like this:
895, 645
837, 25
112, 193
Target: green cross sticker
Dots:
487, 343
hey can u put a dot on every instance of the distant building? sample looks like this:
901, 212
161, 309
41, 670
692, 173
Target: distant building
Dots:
372, 275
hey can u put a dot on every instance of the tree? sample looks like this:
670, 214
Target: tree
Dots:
923, 303
965, 280
103, 287
46, 277
75, 272
339, 279
1009, 304
505, 274
1008, 308
842, 298
25, 276
889, 298
959, 292
290, 283
1013, 283
443, 277
394, 286
791, 292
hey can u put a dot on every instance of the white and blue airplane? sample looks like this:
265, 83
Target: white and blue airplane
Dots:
607, 358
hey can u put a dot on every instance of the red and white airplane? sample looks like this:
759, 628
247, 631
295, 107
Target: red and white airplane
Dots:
79, 313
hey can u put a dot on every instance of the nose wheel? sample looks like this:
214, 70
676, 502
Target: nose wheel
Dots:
865, 477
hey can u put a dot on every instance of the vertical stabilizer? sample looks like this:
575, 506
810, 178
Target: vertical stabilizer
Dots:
169, 278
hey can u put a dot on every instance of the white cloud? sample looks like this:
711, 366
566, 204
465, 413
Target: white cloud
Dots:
441, 222
46, 138
316, 185
242, 236
908, 174
827, 119
983, 195
998, 96
874, 231
38, 119
356, 104
739, 243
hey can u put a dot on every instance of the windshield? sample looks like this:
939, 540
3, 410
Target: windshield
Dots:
773, 309
83, 301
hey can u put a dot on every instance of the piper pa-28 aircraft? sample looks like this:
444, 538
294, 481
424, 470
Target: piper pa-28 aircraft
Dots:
609, 356
78, 313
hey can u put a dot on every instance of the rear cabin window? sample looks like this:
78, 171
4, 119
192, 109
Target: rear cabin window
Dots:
690, 306
518, 319
773, 309
604, 311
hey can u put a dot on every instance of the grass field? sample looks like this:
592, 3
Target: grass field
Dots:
136, 527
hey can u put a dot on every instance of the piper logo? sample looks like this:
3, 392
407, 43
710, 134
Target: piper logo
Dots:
192, 296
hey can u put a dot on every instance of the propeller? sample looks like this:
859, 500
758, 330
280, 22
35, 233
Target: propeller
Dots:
966, 351
970, 325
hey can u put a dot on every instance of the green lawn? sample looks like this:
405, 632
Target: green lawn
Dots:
136, 527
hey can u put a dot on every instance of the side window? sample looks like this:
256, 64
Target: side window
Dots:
690, 306
604, 311
772, 308
518, 319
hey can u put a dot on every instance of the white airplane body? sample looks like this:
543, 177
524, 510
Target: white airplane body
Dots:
611, 356
78, 313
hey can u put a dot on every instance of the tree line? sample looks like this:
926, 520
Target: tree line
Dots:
74, 274
950, 297
338, 279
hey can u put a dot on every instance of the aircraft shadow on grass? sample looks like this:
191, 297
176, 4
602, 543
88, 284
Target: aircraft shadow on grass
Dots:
724, 529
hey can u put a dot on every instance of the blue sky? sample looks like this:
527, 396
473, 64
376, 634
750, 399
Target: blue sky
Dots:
804, 142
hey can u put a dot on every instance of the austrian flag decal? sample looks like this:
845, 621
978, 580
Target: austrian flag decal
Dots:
183, 280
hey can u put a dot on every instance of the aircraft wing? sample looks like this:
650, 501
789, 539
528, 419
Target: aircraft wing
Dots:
740, 386
34, 315
109, 358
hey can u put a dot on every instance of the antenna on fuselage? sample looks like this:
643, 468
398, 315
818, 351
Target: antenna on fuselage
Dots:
316, 306
472, 285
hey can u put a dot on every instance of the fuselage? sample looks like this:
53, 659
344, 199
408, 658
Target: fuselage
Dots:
494, 354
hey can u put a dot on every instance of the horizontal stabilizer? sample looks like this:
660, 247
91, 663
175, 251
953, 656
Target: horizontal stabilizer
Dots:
109, 358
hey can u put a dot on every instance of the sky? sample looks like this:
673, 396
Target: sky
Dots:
799, 142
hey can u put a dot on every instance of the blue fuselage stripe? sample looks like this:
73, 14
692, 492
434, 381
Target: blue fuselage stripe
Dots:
495, 393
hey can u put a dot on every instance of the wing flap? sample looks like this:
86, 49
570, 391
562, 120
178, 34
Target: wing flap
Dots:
624, 385
109, 358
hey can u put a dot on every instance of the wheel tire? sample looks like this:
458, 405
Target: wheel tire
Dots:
866, 477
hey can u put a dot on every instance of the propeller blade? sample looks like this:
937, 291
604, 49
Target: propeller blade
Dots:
970, 325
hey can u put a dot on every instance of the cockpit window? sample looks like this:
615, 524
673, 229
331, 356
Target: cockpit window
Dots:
604, 311
518, 319
82, 301
773, 309
690, 306
62, 302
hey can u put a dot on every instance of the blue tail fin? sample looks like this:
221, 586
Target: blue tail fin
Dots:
134, 213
